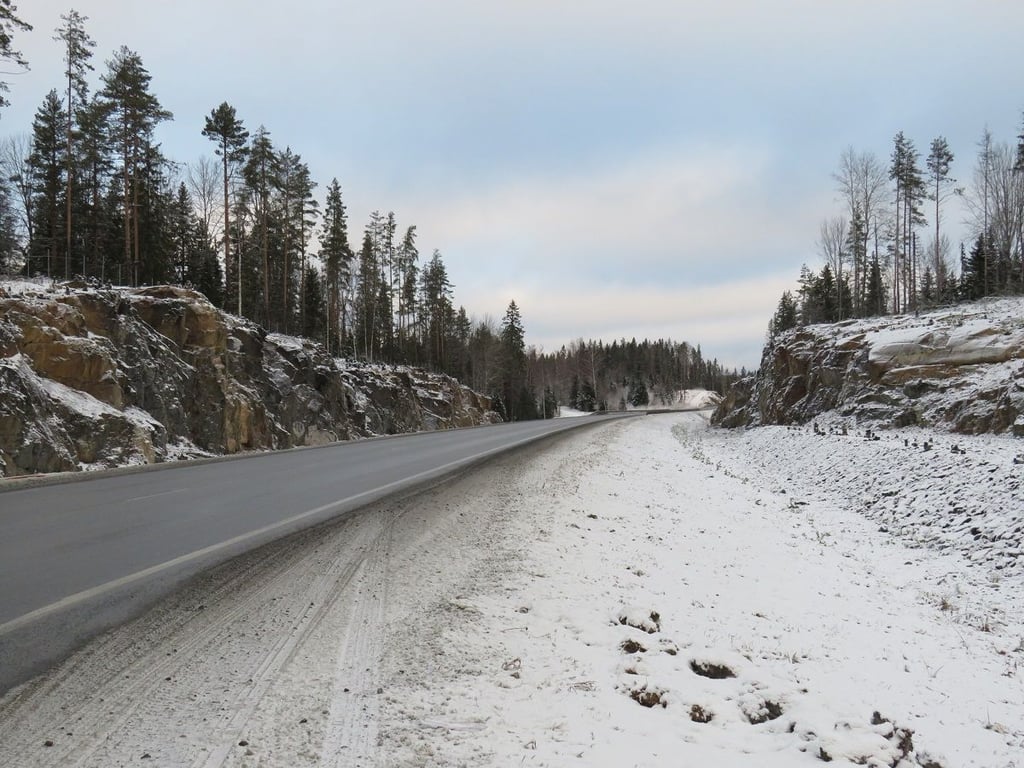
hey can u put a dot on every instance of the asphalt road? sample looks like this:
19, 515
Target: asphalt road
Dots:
79, 557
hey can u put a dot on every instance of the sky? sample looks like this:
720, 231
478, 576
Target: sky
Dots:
651, 169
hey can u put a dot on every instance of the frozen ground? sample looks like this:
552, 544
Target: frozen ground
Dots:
649, 593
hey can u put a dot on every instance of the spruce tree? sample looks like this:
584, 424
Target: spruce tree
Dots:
95, 166
314, 311
550, 404
47, 166
785, 316
874, 301
336, 256
513, 382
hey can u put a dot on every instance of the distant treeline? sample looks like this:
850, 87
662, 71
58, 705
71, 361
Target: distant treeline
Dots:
594, 376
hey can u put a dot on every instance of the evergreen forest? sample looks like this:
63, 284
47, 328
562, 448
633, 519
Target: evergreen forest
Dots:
88, 193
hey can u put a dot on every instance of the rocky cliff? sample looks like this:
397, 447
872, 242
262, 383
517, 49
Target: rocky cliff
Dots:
93, 378
959, 368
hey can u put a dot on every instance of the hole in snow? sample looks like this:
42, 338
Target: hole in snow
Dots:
711, 669
631, 646
700, 715
769, 710
647, 698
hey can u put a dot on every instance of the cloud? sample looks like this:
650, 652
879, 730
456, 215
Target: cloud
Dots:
690, 243
656, 210
615, 167
727, 319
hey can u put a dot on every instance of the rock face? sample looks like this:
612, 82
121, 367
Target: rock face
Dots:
961, 369
100, 378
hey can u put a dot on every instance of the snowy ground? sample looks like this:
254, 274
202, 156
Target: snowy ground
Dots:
647, 593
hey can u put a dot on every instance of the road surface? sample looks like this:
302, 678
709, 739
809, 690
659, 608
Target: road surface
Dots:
78, 557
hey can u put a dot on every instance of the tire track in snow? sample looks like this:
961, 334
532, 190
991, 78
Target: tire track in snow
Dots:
120, 667
351, 738
323, 595
124, 685
240, 655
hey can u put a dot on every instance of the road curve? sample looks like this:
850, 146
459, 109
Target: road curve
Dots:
78, 557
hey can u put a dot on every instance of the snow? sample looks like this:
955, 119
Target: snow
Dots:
565, 412
986, 331
682, 400
821, 620
80, 402
648, 592
695, 399
22, 287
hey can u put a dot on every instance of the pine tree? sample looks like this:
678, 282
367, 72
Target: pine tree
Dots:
940, 159
77, 52
1019, 164
135, 114
437, 313
300, 210
261, 175
390, 273
406, 271
224, 127
9, 55
856, 246
984, 178
910, 190
366, 297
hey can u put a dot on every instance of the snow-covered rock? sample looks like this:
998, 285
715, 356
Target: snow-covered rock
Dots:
106, 377
959, 368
